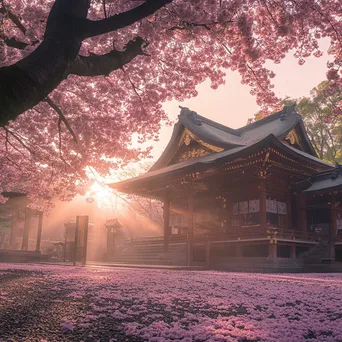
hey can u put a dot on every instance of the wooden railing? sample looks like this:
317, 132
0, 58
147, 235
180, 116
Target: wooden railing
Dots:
267, 234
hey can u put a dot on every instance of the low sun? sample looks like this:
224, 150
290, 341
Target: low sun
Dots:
101, 194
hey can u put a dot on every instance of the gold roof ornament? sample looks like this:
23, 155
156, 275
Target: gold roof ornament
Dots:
187, 139
188, 136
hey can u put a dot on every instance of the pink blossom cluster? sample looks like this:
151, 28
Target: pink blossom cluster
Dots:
169, 305
188, 42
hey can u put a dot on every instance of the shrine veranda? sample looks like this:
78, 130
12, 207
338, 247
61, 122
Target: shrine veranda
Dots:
259, 191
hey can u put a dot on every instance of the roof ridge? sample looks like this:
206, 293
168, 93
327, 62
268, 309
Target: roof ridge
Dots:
197, 118
219, 125
286, 111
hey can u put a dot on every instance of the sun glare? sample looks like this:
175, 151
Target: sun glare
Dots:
101, 194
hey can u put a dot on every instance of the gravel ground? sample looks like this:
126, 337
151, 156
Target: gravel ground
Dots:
56, 303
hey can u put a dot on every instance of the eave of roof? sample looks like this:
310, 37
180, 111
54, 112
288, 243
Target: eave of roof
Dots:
212, 159
322, 181
325, 185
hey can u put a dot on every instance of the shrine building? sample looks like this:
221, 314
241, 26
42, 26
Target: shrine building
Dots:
257, 195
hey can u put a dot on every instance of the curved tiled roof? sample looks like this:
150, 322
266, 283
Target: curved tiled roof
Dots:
234, 142
279, 124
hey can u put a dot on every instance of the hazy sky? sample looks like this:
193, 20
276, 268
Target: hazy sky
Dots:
232, 104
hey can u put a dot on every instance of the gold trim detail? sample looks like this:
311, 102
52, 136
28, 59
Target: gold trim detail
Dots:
293, 138
191, 154
188, 136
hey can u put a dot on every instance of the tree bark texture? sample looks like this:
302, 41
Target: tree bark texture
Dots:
27, 82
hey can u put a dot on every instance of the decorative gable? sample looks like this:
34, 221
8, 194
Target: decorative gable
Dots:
296, 138
187, 137
293, 139
190, 151
190, 147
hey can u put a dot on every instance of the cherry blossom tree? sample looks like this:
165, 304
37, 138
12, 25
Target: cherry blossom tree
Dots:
81, 80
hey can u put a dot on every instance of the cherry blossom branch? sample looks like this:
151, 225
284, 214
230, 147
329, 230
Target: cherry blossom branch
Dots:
13, 18
104, 8
270, 14
249, 68
7, 142
13, 162
96, 65
134, 87
61, 118
256, 78
16, 137
116, 22
12, 42
329, 21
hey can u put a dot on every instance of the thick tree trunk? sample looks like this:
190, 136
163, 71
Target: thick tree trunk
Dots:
29, 81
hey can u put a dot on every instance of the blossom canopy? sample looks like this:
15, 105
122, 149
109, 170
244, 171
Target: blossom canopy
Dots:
80, 81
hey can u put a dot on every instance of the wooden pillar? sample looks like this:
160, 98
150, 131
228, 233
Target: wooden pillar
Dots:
302, 224
207, 254
272, 250
288, 211
333, 225
27, 224
39, 233
228, 212
14, 230
293, 251
262, 198
238, 250
166, 218
190, 235
333, 218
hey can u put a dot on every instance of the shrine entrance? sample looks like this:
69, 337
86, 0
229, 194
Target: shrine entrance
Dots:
319, 222
114, 231
76, 240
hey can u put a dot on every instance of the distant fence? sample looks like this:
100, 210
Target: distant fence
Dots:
267, 234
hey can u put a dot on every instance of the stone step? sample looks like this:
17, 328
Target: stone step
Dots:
142, 261
139, 253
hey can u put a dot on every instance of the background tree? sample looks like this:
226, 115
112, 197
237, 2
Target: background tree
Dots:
85, 79
322, 122
324, 127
